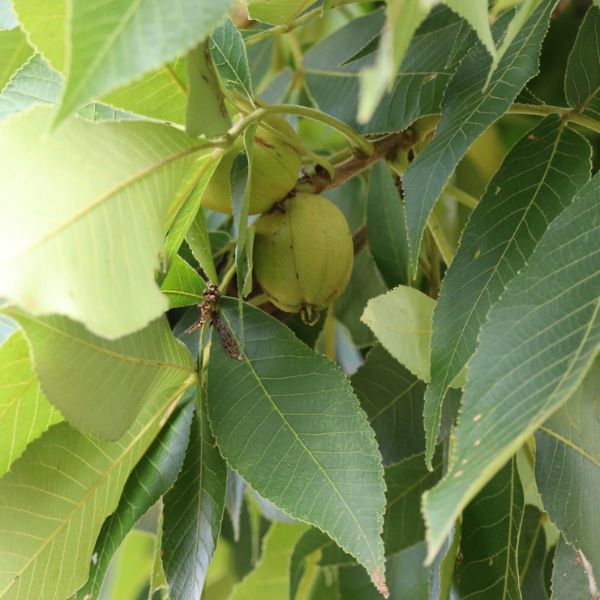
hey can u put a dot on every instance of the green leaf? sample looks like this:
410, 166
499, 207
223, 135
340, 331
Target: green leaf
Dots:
392, 397
44, 23
475, 12
93, 256
192, 514
14, 53
37, 83
150, 479
401, 320
490, 533
517, 22
365, 283
442, 568
287, 420
468, 110
386, 227
206, 112
270, 580
115, 43
333, 82
182, 285
132, 567
229, 56
405, 483
582, 77
199, 242
161, 94
24, 411
568, 468
103, 391
402, 19
536, 181
55, 498
548, 316
532, 554
185, 212
571, 576
277, 12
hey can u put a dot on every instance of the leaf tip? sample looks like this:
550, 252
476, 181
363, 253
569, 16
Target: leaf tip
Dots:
378, 578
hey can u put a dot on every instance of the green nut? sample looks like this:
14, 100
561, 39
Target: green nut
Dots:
276, 163
303, 254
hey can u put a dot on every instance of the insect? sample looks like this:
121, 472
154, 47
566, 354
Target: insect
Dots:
210, 314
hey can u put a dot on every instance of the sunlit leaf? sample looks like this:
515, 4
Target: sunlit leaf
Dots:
24, 411
182, 285
114, 43
82, 238
55, 498
149, 480
14, 53
98, 385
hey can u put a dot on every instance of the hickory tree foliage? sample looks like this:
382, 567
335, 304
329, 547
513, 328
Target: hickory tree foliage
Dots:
431, 430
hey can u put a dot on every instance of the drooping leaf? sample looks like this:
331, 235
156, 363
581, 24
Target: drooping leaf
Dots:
234, 500
582, 77
92, 257
98, 385
270, 578
24, 411
571, 576
14, 53
444, 565
198, 240
333, 83
182, 285
192, 513
547, 316
392, 397
401, 320
537, 180
490, 534
287, 420
532, 554
568, 468
206, 112
469, 108
386, 227
115, 43
229, 56
55, 498
149, 480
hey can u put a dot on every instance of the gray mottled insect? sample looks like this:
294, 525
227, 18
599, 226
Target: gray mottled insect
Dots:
209, 313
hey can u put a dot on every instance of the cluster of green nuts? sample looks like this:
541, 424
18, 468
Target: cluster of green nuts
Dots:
303, 251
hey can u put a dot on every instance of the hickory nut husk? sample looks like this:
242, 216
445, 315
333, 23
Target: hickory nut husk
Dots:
303, 254
275, 166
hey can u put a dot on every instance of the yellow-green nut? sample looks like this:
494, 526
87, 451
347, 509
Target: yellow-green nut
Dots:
303, 254
276, 163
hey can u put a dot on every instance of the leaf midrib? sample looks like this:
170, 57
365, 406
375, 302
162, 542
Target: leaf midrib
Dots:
138, 360
306, 449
